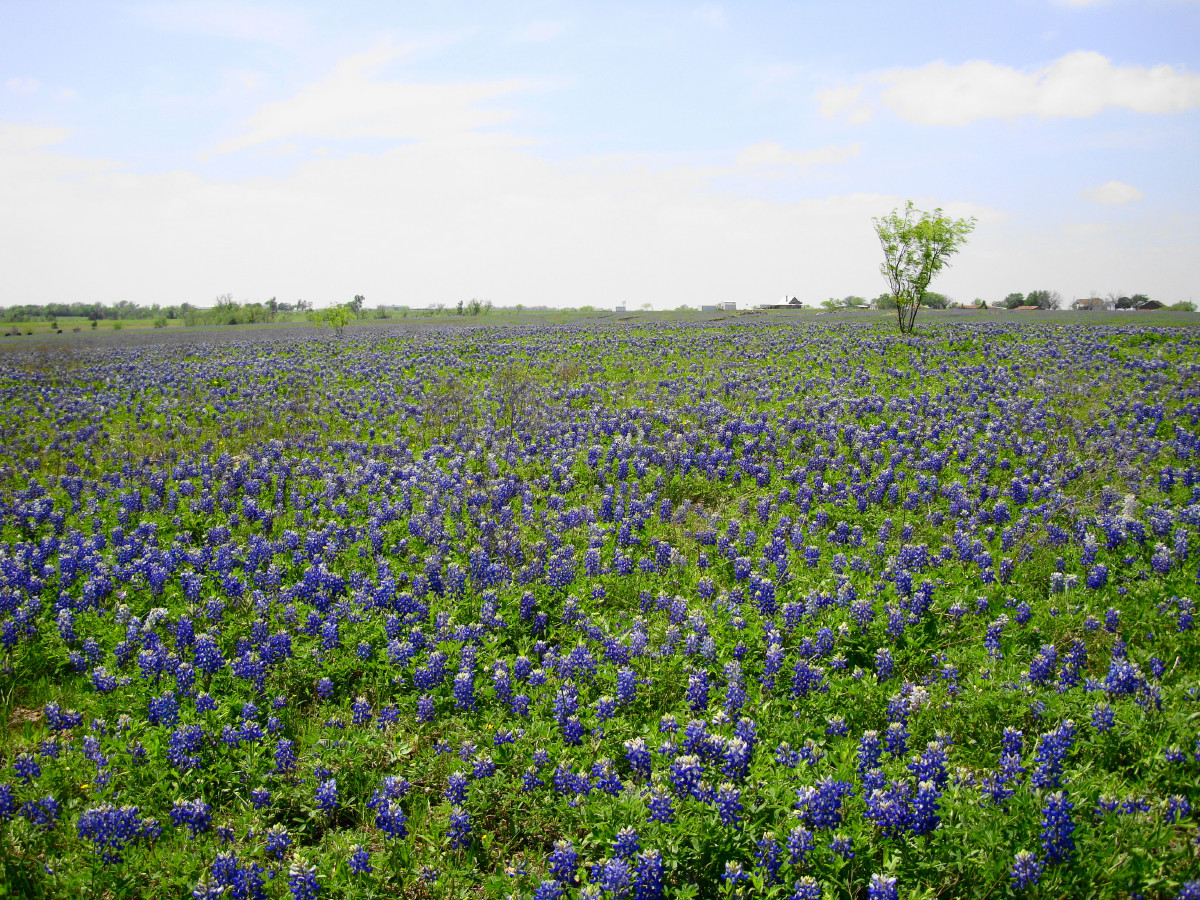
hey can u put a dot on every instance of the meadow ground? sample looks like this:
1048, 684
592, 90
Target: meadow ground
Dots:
766, 605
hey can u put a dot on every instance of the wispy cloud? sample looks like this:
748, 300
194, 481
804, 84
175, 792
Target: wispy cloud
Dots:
24, 138
1113, 193
221, 18
772, 155
22, 85
351, 104
1077, 85
845, 98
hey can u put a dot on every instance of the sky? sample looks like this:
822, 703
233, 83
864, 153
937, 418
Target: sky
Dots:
569, 153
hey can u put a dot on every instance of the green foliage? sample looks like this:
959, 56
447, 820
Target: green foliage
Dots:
916, 246
1013, 300
335, 317
1043, 299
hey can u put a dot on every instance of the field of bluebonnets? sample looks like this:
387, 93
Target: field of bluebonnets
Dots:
626, 612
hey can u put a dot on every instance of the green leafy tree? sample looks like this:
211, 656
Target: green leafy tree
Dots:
1013, 300
934, 300
1043, 299
356, 305
335, 317
916, 246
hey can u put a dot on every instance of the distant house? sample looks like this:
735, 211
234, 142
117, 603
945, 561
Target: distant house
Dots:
708, 307
1150, 305
619, 308
1088, 303
785, 303
1025, 308
728, 305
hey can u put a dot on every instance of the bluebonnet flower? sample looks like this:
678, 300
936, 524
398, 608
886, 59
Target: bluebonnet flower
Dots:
613, 876
870, 752
1052, 750
842, 846
278, 840
1103, 717
821, 804
260, 798
697, 690
1026, 870
327, 796
800, 843
806, 888
660, 806
896, 739
26, 766
460, 828
1058, 828
729, 805
456, 789
302, 880
882, 887
360, 860
884, 664
425, 708
389, 817
285, 755
324, 688
572, 731
638, 757
1178, 808
41, 813
686, 773
483, 766
626, 845
925, 816
734, 874
195, 815
112, 829
207, 654
648, 876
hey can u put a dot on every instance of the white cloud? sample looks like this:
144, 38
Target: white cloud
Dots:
1115, 193
473, 214
221, 18
350, 104
1077, 85
25, 138
773, 154
844, 98
25, 163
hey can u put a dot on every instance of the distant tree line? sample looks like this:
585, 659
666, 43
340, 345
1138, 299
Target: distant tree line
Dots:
226, 311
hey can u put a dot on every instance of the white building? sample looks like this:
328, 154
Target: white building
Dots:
728, 305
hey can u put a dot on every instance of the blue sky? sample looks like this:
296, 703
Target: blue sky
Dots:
569, 153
